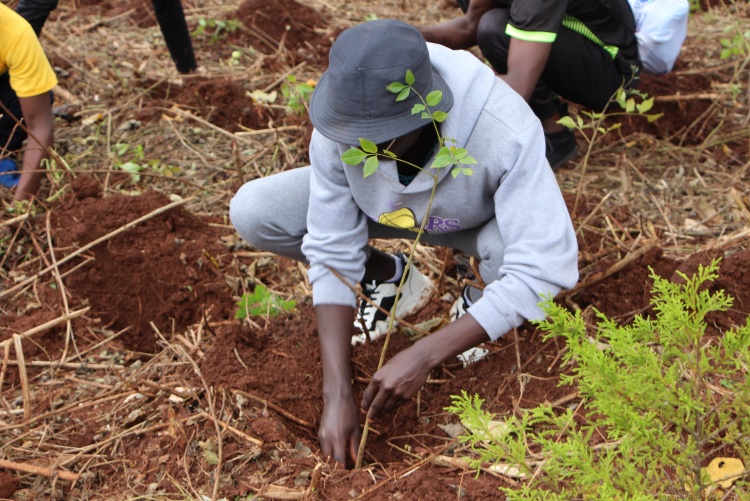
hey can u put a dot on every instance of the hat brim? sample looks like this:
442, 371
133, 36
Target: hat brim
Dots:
348, 130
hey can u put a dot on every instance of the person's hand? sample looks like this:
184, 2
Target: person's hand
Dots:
396, 382
339, 429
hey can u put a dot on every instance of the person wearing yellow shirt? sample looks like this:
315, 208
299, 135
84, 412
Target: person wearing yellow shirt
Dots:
26, 79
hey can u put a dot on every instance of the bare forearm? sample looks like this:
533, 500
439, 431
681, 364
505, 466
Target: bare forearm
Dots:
526, 61
453, 339
37, 149
335, 323
456, 33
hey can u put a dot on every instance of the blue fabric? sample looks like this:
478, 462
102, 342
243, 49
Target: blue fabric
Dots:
8, 177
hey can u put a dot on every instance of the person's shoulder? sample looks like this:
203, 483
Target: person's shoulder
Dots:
508, 109
12, 24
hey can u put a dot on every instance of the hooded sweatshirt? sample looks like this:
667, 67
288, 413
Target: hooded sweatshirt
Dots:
512, 183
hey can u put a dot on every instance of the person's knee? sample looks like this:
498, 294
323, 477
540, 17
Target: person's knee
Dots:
248, 215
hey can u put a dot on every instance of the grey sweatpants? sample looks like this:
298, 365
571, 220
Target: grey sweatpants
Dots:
270, 213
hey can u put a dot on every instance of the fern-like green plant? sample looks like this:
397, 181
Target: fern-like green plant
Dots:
661, 400
262, 302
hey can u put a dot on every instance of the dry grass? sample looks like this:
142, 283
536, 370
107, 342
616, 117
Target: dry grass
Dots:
685, 197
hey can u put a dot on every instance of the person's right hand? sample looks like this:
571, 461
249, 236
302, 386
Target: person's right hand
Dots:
339, 429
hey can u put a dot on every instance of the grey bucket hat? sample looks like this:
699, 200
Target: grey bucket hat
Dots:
351, 100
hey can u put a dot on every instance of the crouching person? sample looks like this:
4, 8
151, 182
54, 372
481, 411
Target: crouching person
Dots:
509, 214
26, 79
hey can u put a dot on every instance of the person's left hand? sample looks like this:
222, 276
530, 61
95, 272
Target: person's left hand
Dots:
396, 382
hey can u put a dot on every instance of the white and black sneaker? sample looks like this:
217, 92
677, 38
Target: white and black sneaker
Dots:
459, 309
416, 293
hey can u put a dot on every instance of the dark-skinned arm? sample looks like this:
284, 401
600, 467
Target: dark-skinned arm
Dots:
400, 379
459, 32
339, 425
37, 115
526, 61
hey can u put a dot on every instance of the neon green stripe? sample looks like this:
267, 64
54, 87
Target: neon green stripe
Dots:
530, 36
577, 26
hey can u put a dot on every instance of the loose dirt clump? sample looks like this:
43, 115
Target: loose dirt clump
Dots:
221, 101
294, 32
156, 272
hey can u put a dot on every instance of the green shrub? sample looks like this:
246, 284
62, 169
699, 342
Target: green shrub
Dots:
659, 397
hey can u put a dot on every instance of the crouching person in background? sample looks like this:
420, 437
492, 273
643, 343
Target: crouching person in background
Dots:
26, 79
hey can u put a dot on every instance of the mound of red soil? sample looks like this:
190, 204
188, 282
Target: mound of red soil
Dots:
296, 27
221, 101
166, 270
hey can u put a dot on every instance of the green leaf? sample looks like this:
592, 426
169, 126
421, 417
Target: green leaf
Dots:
468, 161
121, 149
395, 87
621, 97
567, 122
653, 118
389, 153
630, 105
434, 98
211, 457
353, 156
371, 165
467, 171
409, 79
426, 115
403, 94
418, 108
645, 106
442, 159
440, 116
368, 146
455, 172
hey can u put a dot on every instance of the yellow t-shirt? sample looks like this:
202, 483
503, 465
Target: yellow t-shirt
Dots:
22, 56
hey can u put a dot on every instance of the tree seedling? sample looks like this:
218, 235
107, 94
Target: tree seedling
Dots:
369, 155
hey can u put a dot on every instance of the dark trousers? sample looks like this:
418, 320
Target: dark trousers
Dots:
577, 69
173, 26
11, 135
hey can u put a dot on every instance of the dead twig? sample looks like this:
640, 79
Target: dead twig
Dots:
48, 325
598, 277
96, 242
276, 408
39, 470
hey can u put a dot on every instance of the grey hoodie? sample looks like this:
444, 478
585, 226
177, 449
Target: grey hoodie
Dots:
512, 184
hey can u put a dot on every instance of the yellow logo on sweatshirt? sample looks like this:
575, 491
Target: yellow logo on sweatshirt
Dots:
403, 218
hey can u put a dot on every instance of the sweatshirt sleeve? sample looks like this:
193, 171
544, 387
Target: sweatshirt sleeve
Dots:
541, 252
337, 228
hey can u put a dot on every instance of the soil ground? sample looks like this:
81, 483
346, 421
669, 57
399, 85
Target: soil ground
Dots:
149, 388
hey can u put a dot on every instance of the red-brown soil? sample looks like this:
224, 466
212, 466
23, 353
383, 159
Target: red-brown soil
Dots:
172, 370
170, 271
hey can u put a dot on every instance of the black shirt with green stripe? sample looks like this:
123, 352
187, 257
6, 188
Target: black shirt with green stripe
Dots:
608, 23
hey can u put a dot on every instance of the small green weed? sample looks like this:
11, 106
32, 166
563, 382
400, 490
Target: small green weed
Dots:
215, 29
737, 46
297, 94
131, 160
261, 302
